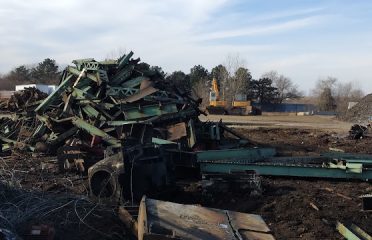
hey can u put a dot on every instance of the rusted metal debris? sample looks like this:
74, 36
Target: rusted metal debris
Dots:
167, 220
23, 101
17, 119
358, 131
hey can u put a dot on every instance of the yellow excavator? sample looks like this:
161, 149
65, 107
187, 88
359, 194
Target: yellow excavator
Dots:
217, 105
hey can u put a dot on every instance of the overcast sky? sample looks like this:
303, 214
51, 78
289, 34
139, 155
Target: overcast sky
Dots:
304, 40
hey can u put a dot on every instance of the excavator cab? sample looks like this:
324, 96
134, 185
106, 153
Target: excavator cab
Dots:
216, 105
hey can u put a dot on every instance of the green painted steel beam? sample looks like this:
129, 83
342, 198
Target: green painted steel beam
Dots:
149, 111
13, 142
80, 94
122, 75
360, 232
122, 123
79, 62
345, 232
76, 72
349, 156
93, 113
39, 131
125, 59
237, 155
286, 170
160, 141
134, 82
80, 123
54, 95
62, 137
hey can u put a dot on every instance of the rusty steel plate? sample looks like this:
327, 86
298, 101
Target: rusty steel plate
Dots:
179, 221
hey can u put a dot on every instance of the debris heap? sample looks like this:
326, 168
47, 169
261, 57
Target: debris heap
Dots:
24, 100
361, 112
101, 103
18, 120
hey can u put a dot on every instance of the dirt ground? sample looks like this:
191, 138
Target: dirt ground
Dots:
285, 203
280, 121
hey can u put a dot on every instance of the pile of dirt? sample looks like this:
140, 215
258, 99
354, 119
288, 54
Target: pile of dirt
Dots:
361, 112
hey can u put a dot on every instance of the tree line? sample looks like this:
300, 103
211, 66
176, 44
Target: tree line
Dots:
332, 95
233, 79
45, 72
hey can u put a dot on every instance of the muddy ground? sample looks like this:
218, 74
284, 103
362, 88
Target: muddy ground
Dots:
285, 203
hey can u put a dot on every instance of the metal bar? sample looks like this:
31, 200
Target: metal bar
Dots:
54, 95
134, 82
125, 59
7, 140
149, 111
76, 72
317, 171
122, 123
64, 136
122, 75
360, 232
226, 128
349, 235
93, 113
248, 154
80, 123
349, 156
160, 141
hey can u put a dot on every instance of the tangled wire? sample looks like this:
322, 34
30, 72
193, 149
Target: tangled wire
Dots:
73, 217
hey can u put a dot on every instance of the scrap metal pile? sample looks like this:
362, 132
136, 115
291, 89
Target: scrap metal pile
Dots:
121, 123
18, 120
98, 104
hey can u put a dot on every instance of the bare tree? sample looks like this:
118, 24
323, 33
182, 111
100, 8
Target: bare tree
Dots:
341, 93
345, 93
285, 87
201, 90
237, 80
349, 90
324, 91
116, 53
326, 100
219, 73
321, 84
5, 84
